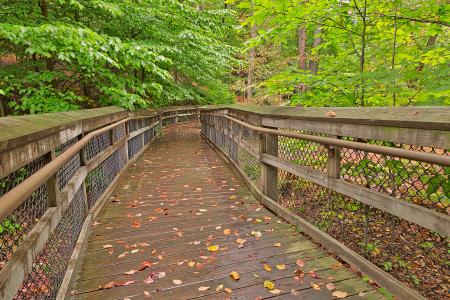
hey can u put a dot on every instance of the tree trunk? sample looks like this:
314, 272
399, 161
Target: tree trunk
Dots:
394, 50
251, 67
314, 62
301, 39
44, 8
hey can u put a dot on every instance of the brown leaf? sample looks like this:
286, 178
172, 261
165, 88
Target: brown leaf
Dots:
136, 224
331, 114
330, 286
109, 285
300, 263
339, 294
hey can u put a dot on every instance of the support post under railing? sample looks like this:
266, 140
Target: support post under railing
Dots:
334, 162
269, 174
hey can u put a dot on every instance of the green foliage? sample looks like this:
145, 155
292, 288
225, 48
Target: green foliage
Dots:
370, 53
136, 54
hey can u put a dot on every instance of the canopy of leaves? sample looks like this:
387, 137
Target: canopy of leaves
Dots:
58, 55
384, 52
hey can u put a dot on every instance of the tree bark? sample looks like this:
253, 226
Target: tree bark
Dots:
251, 67
314, 63
301, 40
44, 8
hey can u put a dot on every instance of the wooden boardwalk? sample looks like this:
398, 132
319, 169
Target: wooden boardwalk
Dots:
172, 228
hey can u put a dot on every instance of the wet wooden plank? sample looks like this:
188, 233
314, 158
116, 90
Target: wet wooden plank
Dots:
177, 200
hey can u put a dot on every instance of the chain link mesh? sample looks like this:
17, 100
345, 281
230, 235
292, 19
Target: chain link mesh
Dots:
134, 145
97, 145
98, 180
16, 226
49, 267
118, 133
66, 172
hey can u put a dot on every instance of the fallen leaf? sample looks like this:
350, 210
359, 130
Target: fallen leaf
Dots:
268, 268
226, 231
203, 288
300, 263
147, 294
256, 234
177, 281
202, 210
295, 292
281, 267
269, 284
109, 285
240, 241
227, 290
331, 114
235, 275
219, 227
161, 275
339, 294
136, 224
330, 286
219, 287
315, 286
213, 248
191, 264
277, 245
313, 274
131, 272
276, 291
107, 246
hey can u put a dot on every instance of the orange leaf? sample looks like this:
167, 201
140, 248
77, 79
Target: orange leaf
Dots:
235, 275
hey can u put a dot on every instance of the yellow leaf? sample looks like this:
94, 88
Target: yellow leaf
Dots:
258, 220
235, 275
213, 248
269, 284
339, 294
219, 287
228, 290
191, 264
277, 244
315, 286
267, 268
226, 231
281, 267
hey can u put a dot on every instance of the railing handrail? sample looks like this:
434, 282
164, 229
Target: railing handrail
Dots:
390, 151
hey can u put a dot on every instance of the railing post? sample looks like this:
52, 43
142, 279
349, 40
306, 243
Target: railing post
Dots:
334, 161
269, 174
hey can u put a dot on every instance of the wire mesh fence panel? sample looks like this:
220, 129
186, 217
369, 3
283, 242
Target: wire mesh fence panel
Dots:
66, 172
169, 121
148, 136
118, 133
97, 145
50, 265
16, 226
133, 125
250, 165
99, 179
134, 145
414, 181
303, 153
408, 251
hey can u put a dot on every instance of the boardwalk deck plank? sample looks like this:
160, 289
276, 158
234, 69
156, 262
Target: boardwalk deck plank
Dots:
175, 201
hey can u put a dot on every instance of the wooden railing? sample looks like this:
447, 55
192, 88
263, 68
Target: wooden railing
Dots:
371, 185
56, 172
